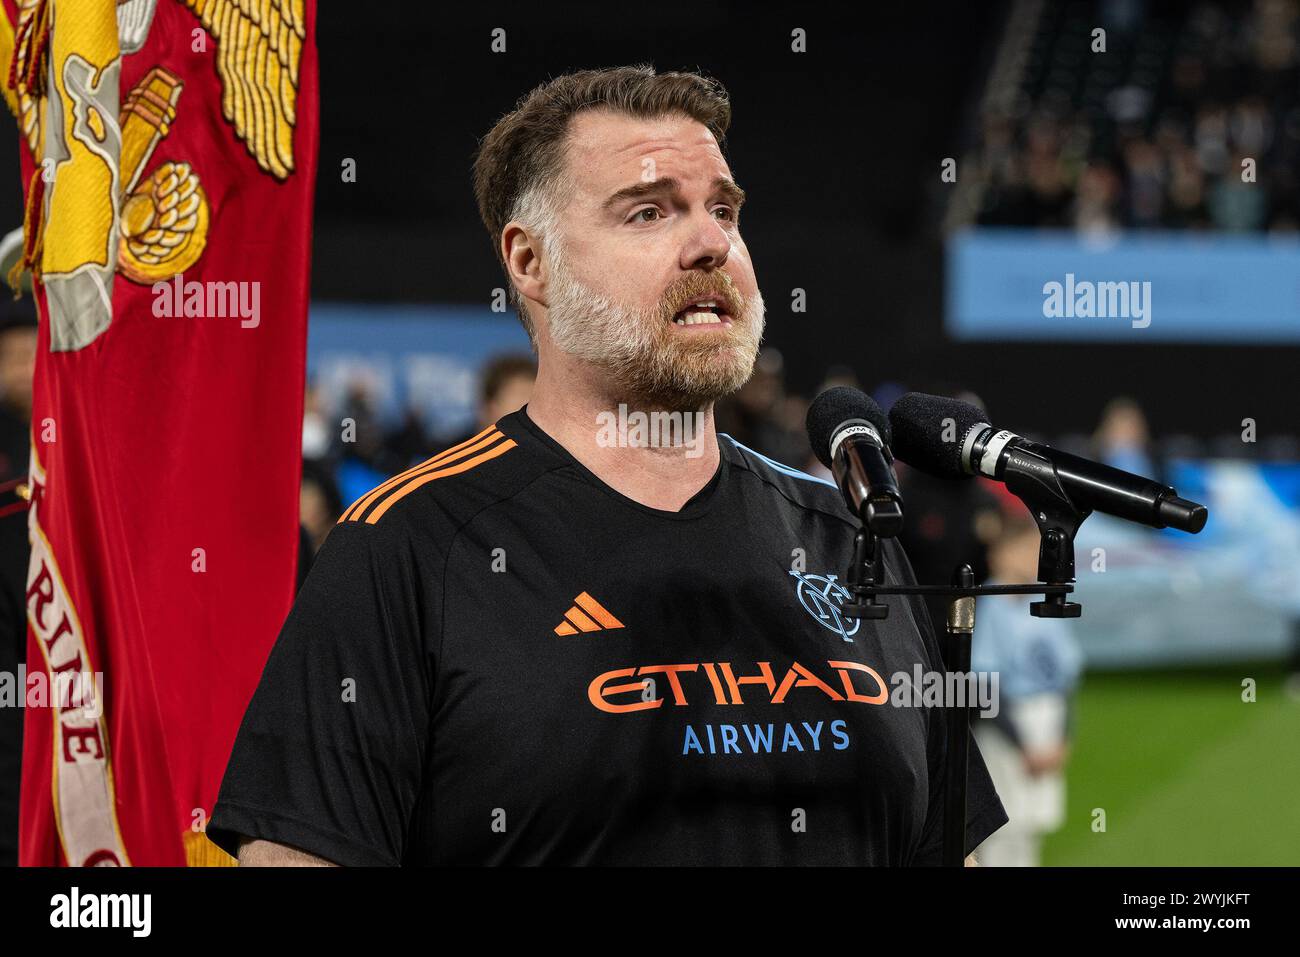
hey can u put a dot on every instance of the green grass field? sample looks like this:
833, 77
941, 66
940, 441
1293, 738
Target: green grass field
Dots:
1187, 773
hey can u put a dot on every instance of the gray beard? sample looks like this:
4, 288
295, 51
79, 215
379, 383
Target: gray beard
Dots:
643, 365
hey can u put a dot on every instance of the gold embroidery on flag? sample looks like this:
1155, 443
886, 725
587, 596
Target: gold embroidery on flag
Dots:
165, 219
95, 156
26, 73
164, 225
147, 116
72, 72
259, 50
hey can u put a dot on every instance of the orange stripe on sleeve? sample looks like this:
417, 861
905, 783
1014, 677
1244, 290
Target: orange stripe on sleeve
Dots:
456, 469
464, 448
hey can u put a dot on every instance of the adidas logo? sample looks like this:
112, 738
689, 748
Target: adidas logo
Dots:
588, 615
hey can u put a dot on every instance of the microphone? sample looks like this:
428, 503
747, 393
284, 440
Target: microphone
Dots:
951, 439
850, 436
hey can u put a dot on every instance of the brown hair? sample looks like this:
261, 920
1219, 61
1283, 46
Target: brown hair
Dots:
501, 370
521, 160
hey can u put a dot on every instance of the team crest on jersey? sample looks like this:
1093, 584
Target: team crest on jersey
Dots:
823, 597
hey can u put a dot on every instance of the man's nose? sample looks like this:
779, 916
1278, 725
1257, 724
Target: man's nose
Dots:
708, 245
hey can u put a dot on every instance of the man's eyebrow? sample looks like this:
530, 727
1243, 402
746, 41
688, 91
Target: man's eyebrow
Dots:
722, 185
729, 189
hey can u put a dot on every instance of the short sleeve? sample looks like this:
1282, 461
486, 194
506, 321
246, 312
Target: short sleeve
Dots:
329, 756
984, 811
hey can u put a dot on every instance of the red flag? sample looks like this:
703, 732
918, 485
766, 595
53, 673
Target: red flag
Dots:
169, 164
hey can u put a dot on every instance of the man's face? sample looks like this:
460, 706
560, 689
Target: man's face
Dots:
651, 230
1015, 556
17, 367
513, 394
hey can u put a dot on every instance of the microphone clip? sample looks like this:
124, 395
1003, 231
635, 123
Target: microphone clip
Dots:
862, 577
1033, 479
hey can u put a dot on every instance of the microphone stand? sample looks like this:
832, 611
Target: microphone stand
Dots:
1058, 520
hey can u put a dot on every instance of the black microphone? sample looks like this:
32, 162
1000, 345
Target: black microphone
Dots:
952, 439
850, 436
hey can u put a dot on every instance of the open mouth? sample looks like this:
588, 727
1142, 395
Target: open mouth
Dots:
707, 312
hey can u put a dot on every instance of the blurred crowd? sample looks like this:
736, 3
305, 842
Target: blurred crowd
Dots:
349, 447
1152, 133
348, 450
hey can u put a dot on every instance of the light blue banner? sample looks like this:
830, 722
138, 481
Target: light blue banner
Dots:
1026, 285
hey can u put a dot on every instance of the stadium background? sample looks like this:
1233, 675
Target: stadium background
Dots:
840, 151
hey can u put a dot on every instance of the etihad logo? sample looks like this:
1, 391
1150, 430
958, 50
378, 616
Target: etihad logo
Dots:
587, 615
861, 683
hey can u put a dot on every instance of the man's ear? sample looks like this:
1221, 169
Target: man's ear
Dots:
521, 253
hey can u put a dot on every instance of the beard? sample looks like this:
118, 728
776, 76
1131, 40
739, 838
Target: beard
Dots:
647, 360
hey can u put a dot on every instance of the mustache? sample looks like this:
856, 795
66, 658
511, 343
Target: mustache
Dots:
724, 291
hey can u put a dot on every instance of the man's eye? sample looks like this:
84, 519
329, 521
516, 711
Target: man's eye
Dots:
641, 212
731, 213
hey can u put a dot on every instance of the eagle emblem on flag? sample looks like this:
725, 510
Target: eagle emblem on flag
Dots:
111, 211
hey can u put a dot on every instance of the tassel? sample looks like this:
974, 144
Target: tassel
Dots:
33, 245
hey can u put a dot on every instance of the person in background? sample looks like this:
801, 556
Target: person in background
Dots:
507, 386
1038, 663
359, 451
1122, 439
17, 367
406, 445
315, 425
319, 503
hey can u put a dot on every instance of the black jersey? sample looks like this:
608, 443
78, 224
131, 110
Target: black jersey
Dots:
498, 659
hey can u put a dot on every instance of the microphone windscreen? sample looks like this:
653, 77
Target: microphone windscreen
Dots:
832, 409
929, 431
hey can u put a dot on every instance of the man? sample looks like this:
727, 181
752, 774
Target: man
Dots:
582, 638
507, 385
